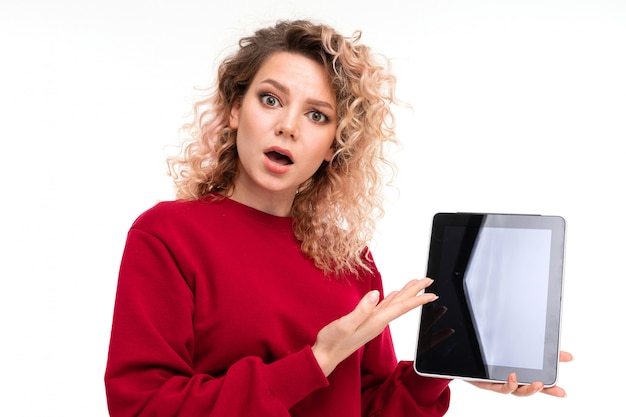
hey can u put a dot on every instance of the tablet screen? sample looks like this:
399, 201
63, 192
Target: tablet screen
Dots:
499, 282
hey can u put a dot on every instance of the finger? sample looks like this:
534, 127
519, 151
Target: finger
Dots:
389, 297
407, 298
565, 356
411, 289
507, 387
527, 390
511, 384
362, 311
499, 387
555, 391
415, 286
388, 312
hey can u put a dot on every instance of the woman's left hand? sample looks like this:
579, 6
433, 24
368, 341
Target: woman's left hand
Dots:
512, 387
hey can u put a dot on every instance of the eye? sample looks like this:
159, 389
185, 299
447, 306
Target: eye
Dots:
269, 100
318, 117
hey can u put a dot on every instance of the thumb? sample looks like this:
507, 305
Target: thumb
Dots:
372, 297
363, 309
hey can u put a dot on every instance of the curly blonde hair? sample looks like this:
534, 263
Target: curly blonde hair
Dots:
335, 211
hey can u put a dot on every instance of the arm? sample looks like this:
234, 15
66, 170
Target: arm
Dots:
150, 368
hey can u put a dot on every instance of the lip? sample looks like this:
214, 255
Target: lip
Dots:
280, 150
274, 166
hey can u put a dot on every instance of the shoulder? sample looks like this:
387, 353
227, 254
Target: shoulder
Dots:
164, 210
176, 214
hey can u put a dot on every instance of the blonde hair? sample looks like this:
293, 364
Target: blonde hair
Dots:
335, 211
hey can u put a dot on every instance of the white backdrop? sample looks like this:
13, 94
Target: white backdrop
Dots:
518, 106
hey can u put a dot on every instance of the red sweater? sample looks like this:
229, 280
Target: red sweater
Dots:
215, 315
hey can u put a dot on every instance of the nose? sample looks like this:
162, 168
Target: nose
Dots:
287, 125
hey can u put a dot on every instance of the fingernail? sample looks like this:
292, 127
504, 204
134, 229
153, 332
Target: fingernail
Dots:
373, 296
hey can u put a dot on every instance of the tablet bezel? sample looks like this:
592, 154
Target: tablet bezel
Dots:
435, 363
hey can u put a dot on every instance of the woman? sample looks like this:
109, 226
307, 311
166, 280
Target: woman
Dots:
254, 293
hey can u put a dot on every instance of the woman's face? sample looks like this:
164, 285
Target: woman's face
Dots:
286, 124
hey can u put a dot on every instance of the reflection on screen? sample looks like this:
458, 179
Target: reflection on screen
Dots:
506, 286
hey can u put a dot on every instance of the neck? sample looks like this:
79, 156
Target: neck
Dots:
276, 204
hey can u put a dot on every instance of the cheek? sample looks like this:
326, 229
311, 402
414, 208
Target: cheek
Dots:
328, 156
329, 149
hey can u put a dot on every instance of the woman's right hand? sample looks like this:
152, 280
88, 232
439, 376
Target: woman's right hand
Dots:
339, 339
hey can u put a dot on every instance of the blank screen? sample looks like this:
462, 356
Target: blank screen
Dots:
506, 285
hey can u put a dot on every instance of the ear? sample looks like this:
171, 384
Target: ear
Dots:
233, 120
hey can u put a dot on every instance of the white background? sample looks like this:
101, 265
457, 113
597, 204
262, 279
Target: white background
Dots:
518, 106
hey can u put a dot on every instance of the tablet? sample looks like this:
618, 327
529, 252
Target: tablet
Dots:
499, 281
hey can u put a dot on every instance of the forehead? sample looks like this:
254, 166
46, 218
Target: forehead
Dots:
297, 72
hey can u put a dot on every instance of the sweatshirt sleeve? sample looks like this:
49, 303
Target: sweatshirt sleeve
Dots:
150, 367
391, 388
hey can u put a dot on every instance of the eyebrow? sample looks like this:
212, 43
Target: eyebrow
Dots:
283, 89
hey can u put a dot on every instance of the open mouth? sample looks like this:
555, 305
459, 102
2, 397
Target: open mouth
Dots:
279, 158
